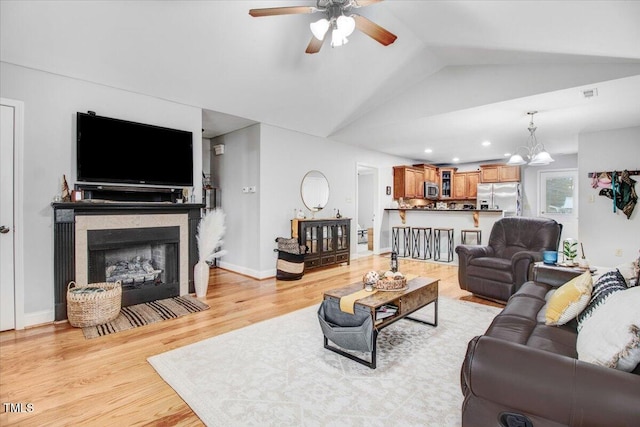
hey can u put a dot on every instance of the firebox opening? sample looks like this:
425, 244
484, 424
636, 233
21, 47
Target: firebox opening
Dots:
144, 260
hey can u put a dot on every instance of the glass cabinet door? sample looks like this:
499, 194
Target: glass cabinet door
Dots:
327, 238
311, 236
341, 237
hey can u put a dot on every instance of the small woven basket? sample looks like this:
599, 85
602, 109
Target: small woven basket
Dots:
93, 307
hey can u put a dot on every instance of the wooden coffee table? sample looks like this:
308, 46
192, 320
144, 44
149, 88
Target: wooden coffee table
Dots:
420, 292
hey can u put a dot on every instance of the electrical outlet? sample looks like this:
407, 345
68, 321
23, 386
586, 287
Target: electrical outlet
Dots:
252, 189
245, 189
618, 252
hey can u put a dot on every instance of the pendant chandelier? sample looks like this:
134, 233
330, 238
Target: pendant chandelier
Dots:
534, 152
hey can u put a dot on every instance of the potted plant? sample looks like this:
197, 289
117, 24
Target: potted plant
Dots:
569, 250
209, 238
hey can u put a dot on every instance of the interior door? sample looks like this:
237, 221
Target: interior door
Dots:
558, 199
7, 282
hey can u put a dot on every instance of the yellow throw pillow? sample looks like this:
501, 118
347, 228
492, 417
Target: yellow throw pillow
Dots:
569, 300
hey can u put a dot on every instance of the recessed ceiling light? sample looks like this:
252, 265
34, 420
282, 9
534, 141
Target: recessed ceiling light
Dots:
455, 159
428, 150
486, 143
507, 154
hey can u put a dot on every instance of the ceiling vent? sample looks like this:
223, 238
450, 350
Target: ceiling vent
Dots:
590, 93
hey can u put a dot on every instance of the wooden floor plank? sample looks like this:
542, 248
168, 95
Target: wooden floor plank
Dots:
107, 381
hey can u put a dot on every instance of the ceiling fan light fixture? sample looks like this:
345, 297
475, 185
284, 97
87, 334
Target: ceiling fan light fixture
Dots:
338, 38
319, 28
346, 24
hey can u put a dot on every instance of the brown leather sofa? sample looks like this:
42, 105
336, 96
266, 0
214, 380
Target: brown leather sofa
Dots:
496, 271
524, 373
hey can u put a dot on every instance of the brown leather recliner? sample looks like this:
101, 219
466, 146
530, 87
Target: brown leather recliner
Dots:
497, 270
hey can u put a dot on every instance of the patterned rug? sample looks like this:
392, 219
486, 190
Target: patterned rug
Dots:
277, 373
144, 314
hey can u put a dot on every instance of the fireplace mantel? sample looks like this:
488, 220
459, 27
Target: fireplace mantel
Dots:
65, 237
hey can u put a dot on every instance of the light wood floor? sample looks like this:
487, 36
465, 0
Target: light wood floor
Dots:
107, 381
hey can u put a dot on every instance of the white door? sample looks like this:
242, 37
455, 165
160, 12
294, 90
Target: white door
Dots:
558, 199
7, 282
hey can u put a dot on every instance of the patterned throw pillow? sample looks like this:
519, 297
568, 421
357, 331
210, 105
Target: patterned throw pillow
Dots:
569, 300
609, 283
611, 336
290, 246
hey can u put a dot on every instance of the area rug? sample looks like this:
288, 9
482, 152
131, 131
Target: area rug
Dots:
277, 373
144, 314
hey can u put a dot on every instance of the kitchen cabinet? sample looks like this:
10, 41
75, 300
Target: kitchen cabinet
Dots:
430, 172
408, 182
327, 241
499, 173
446, 182
465, 185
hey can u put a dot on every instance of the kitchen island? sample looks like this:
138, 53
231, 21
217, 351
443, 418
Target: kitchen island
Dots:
458, 219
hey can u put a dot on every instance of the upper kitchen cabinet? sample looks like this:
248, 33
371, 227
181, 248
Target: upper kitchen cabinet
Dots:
408, 182
499, 173
465, 185
430, 172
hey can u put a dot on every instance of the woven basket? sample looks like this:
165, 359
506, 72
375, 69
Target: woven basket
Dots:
395, 284
93, 308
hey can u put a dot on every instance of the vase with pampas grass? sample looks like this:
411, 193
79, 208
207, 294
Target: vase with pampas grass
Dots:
209, 238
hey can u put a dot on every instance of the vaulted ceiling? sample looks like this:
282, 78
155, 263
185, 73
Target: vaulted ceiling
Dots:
460, 72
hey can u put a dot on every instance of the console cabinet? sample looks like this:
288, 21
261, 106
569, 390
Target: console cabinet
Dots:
327, 240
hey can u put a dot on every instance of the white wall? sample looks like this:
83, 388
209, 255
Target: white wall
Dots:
51, 102
239, 167
601, 230
276, 160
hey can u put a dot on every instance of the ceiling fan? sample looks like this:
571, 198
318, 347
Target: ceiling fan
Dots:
338, 17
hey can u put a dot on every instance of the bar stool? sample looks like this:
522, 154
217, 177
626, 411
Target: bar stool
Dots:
406, 239
421, 235
437, 241
463, 236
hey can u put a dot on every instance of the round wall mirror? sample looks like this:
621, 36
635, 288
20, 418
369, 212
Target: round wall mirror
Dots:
314, 191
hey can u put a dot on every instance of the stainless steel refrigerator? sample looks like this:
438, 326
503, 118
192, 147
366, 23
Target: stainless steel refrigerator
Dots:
505, 196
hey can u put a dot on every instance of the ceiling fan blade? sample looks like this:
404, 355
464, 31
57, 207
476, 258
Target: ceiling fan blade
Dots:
314, 45
271, 11
374, 30
363, 3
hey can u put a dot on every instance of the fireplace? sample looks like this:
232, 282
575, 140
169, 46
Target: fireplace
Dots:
155, 238
144, 260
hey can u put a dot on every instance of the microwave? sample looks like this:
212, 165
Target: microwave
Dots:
431, 190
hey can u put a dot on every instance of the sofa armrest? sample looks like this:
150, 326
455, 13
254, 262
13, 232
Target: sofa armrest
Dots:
552, 275
542, 384
465, 254
521, 263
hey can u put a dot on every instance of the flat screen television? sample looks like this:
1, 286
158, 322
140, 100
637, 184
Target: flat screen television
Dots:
118, 151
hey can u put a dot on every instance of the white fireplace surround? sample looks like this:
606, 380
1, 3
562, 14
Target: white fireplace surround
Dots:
110, 222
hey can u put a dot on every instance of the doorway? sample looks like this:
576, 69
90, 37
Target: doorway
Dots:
11, 143
367, 183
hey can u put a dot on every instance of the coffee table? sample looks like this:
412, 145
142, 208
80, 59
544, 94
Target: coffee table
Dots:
419, 293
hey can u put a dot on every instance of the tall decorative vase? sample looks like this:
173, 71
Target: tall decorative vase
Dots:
201, 278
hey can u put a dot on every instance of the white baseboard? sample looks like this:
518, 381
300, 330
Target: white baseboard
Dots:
256, 274
38, 318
